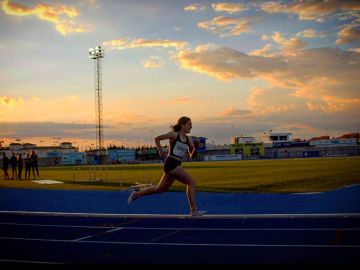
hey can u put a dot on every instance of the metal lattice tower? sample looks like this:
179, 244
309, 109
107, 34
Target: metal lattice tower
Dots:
96, 54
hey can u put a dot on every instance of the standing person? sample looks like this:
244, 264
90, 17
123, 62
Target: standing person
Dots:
179, 145
5, 166
13, 164
20, 163
34, 163
27, 166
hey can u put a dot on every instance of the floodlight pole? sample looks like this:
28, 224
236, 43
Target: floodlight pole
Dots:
96, 54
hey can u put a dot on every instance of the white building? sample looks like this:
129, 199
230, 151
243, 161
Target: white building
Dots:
334, 142
279, 137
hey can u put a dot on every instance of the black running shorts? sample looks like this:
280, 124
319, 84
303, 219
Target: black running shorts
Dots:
170, 164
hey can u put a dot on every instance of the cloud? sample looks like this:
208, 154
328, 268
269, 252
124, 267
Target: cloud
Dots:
194, 7
45, 129
353, 15
283, 111
265, 51
228, 7
10, 102
302, 123
153, 62
280, 108
348, 34
335, 104
357, 50
310, 33
226, 26
62, 118
52, 109
291, 46
264, 101
265, 37
183, 99
225, 63
62, 16
271, 108
126, 43
235, 112
70, 27
315, 74
320, 77
311, 9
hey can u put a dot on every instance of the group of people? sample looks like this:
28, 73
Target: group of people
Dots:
17, 162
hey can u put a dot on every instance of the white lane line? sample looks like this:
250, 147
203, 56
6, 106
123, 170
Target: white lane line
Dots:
179, 244
241, 229
179, 216
185, 228
26, 261
101, 233
164, 236
56, 225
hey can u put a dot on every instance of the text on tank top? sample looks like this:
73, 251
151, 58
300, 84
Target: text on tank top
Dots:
179, 148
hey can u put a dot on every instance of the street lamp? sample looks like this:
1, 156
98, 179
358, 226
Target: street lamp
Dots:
96, 53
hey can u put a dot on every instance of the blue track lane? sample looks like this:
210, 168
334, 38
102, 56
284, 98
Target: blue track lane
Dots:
255, 228
68, 239
337, 201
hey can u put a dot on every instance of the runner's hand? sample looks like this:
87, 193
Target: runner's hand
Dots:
161, 154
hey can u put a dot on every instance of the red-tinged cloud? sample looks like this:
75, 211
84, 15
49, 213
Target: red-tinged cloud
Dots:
228, 7
61, 16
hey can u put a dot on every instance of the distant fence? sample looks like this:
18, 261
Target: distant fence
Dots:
222, 157
305, 152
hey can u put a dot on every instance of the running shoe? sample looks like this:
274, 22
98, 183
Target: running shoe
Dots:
131, 197
198, 213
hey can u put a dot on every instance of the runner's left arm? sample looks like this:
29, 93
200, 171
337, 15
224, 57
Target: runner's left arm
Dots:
192, 152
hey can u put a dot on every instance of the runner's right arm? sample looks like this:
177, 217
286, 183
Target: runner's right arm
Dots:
169, 135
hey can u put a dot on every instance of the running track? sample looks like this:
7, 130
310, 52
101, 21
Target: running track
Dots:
278, 233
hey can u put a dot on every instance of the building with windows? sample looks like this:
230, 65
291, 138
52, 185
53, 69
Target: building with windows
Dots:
116, 156
279, 145
247, 147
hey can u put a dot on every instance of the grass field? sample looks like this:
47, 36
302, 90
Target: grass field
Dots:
289, 175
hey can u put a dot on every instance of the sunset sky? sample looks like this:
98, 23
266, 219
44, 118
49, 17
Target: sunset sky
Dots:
234, 67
